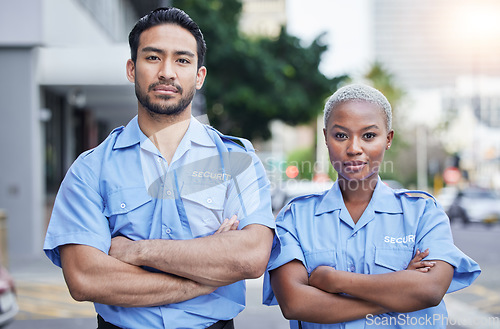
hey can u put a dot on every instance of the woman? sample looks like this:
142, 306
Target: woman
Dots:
343, 258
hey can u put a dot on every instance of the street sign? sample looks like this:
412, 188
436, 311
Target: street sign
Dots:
452, 175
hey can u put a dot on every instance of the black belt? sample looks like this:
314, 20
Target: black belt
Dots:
222, 324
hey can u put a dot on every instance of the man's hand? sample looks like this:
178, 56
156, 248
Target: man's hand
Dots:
122, 248
228, 225
418, 264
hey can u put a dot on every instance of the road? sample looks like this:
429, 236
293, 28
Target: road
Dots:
45, 302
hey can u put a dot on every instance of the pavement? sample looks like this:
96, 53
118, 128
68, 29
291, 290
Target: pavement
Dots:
43, 296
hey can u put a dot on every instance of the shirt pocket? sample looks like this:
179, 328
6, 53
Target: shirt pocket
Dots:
391, 260
129, 212
320, 258
204, 209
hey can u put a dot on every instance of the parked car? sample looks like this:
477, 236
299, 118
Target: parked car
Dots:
471, 205
8, 303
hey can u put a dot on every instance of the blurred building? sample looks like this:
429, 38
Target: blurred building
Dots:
446, 55
263, 17
429, 43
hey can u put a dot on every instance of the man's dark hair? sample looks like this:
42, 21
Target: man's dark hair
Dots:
168, 15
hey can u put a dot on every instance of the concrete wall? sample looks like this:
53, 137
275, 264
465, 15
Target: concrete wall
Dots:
21, 175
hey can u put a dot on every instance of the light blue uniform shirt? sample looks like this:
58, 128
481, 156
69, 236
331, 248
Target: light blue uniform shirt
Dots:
125, 187
318, 230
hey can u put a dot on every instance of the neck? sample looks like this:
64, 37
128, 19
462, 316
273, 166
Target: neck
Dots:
165, 131
357, 195
358, 191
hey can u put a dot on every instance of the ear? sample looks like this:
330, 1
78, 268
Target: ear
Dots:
324, 134
390, 137
131, 71
200, 77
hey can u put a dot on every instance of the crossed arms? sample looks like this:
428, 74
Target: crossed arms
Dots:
191, 267
317, 298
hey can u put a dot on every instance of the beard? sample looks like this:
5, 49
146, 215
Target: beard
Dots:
164, 109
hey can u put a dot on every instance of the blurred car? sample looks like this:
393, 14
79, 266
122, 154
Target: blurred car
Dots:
8, 303
446, 196
471, 205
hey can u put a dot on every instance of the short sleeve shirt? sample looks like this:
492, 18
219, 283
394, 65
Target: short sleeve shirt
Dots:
318, 230
125, 187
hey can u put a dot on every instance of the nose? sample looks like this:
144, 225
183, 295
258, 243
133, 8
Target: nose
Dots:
354, 147
167, 71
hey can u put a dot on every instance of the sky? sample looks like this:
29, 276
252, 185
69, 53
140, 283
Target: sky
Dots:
348, 25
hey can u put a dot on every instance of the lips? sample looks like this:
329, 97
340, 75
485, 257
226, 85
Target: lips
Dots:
165, 89
354, 166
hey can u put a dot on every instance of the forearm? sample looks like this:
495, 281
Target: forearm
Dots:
314, 305
216, 260
300, 301
94, 276
402, 291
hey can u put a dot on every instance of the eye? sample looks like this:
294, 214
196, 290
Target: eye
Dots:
369, 135
183, 61
152, 58
340, 135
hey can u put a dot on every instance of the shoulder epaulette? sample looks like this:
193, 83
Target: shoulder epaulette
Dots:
245, 143
415, 194
301, 197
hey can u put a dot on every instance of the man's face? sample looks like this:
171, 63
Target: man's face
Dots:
165, 73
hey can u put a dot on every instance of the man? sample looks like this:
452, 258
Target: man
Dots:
160, 223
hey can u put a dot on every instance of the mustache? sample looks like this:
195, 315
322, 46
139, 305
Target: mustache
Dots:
156, 84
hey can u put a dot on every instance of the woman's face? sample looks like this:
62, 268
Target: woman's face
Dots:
357, 137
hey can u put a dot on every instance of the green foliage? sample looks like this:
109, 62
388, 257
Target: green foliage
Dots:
252, 81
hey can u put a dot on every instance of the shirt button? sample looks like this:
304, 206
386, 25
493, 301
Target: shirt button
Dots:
168, 231
209, 200
123, 205
355, 234
352, 268
169, 192
159, 159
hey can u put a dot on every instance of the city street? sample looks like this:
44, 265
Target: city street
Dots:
45, 302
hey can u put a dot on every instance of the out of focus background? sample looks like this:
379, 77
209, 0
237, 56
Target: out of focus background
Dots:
271, 66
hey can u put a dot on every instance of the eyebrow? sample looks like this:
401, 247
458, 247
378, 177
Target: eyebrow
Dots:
161, 51
364, 129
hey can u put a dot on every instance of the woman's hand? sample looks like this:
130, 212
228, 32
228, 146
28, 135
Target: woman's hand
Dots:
418, 264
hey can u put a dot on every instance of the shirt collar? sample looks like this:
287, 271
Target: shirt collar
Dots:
383, 200
132, 134
197, 133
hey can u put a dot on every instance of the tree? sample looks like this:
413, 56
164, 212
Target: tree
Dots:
252, 81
